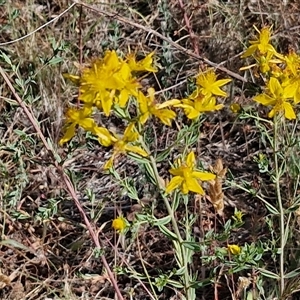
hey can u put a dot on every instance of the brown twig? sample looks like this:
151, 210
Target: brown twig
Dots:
68, 185
189, 28
80, 46
168, 40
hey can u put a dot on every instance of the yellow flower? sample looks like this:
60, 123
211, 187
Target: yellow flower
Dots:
194, 107
142, 65
121, 144
261, 45
78, 117
292, 61
234, 249
293, 75
106, 81
148, 107
238, 215
265, 63
186, 177
277, 98
209, 85
235, 107
119, 224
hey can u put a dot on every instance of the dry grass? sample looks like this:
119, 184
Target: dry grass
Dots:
45, 250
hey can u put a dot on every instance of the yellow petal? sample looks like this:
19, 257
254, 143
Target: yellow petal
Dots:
87, 124
264, 99
289, 112
109, 163
192, 113
106, 106
204, 176
275, 87
168, 103
68, 134
129, 134
297, 96
190, 160
272, 113
111, 59
136, 149
249, 51
144, 117
222, 82
173, 184
123, 98
104, 136
176, 171
143, 103
290, 90
166, 116
142, 65
184, 188
234, 249
74, 78
151, 94
217, 91
194, 186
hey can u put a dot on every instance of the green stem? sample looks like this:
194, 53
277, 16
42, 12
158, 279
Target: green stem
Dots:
280, 205
173, 220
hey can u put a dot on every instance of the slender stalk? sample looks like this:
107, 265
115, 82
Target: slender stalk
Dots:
280, 205
173, 220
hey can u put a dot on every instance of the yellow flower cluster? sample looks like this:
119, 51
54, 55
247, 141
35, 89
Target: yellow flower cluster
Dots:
281, 72
263, 52
111, 81
106, 82
203, 98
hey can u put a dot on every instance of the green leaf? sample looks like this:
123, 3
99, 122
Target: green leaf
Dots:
200, 284
175, 283
192, 245
162, 156
292, 274
176, 201
180, 271
268, 274
249, 295
150, 172
19, 82
163, 221
6, 58
167, 232
14, 244
55, 60
271, 208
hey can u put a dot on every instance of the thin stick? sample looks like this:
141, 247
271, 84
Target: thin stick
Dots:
39, 28
189, 28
